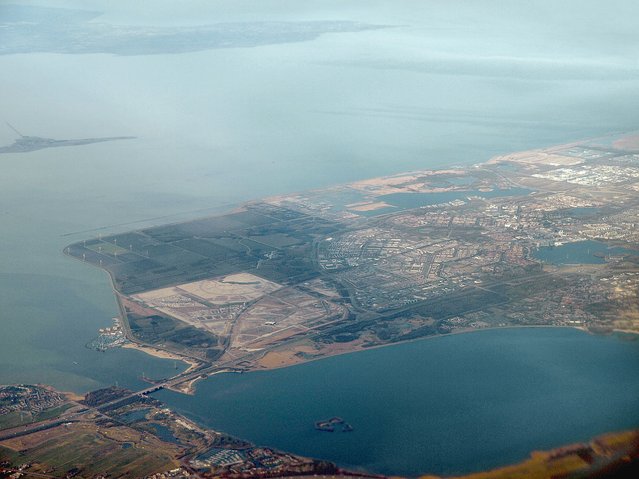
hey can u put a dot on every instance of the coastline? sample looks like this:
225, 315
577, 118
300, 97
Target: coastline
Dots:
560, 448
618, 449
625, 331
310, 347
159, 353
286, 357
190, 387
425, 338
74, 397
574, 458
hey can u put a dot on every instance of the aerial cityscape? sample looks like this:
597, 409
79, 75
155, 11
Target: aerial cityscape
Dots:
539, 238
343, 239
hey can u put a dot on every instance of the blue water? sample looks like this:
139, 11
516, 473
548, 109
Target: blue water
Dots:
580, 252
132, 416
448, 405
163, 432
415, 200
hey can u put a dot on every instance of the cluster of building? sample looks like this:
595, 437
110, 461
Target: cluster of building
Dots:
111, 337
425, 253
595, 175
619, 227
250, 462
177, 473
10, 472
27, 398
408, 257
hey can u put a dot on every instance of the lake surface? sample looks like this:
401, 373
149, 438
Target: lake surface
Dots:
580, 252
447, 405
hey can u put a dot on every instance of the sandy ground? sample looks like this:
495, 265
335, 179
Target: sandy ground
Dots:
287, 356
234, 288
72, 396
627, 143
188, 387
159, 353
280, 359
240, 287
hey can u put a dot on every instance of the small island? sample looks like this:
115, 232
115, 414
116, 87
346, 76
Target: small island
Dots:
329, 425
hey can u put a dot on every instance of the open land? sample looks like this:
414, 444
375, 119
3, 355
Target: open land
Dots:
609, 455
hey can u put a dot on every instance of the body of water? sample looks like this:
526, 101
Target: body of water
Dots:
447, 405
580, 252
415, 200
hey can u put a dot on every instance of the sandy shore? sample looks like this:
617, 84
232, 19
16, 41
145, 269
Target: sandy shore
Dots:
72, 396
159, 353
286, 357
188, 387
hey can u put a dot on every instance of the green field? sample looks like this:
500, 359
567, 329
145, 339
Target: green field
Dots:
107, 248
14, 418
89, 451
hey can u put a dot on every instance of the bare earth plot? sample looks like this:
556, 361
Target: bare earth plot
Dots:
284, 314
211, 304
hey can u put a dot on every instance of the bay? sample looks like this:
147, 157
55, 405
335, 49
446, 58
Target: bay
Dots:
448, 405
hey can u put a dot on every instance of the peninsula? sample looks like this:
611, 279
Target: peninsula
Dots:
540, 238
25, 144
